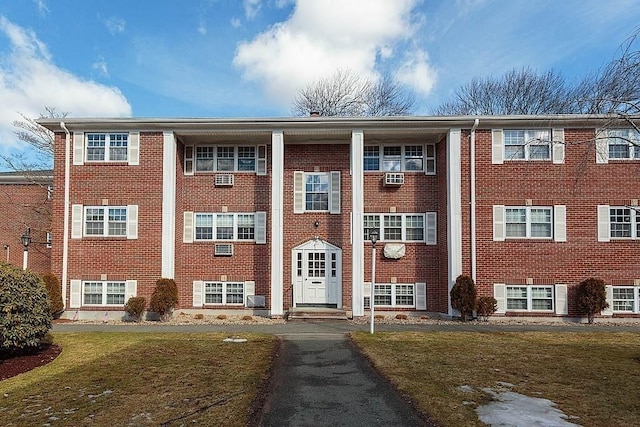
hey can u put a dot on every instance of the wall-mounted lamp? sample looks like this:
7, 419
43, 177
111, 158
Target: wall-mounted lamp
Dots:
26, 241
316, 224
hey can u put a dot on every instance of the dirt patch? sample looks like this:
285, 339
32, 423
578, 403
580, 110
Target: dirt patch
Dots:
16, 365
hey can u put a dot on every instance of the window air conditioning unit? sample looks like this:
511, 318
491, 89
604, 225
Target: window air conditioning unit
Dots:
255, 301
393, 179
223, 249
224, 180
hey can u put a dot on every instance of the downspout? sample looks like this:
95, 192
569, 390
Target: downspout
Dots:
472, 172
65, 238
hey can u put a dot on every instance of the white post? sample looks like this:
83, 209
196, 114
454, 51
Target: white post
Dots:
25, 258
373, 283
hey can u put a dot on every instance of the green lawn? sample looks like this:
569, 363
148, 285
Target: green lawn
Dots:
593, 376
119, 379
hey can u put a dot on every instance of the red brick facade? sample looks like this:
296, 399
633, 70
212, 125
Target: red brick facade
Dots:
164, 195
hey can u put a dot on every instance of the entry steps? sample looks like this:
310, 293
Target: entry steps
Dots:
316, 313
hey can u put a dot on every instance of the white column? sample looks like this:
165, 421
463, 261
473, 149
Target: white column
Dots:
357, 239
454, 210
277, 223
168, 205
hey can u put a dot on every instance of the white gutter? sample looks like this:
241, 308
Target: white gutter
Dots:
472, 172
65, 238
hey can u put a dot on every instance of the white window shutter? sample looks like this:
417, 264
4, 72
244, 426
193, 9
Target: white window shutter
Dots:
76, 221
498, 223
431, 234
132, 222
334, 187
500, 294
249, 289
366, 291
189, 151
562, 306
133, 149
262, 160
261, 228
198, 293
298, 192
78, 148
558, 146
560, 223
187, 232
131, 289
604, 230
497, 146
602, 146
421, 296
76, 294
609, 310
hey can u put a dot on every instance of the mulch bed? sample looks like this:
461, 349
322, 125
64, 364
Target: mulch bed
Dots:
12, 366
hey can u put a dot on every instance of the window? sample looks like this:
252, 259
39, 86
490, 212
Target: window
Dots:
316, 188
224, 226
397, 227
49, 192
392, 295
49, 240
528, 222
623, 144
105, 221
624, 223
103, 293
527, 144
107, 147
221, 158
400, 158
316, 192
529, 298
625, 299
224, 293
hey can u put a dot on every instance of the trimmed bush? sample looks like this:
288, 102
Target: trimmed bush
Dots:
486, 306
135, 307
463, 296
25, 317
164, 298
401, 316
591, 297
54, 291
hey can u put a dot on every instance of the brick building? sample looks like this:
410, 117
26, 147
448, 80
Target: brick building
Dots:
270, 214
25, 204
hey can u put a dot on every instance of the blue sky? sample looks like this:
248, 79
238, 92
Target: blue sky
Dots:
248, 58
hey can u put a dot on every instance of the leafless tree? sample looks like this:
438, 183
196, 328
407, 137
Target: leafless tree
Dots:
345, 94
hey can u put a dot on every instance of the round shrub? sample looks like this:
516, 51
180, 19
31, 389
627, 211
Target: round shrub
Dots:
591, 297
54, 291
463, 296
135, 307
486, 306
25, 317
164, 298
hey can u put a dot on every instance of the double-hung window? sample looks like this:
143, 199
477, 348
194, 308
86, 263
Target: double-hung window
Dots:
107, 147
103, 293
618, 223
222, 158
392, 295
529, 298
625, 299
400, 158
401, 227
528, 222
105, 221
529, 144
224, 293
316, 192
623, 144
224, 226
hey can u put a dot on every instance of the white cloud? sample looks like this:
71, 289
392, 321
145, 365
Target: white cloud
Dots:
235, 22
115, 25
29, 81
101, 67
251, 8
324, 35
42, 7
416, 72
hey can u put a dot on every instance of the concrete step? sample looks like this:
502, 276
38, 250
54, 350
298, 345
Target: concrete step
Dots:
313, 313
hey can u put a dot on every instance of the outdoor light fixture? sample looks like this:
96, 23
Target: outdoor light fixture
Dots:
26, 241
373, 236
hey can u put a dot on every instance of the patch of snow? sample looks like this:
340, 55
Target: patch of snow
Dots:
511, 409
466, 388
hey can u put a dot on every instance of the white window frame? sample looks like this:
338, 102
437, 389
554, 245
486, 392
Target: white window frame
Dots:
394, 294
634, 222
109, 146
531, 138
378, 219
192, 159
528, 222
529, 298
628, 137
214, 226
334, 192
428, 158
104, 293
226, 292
48, 240
105, 221
635, 300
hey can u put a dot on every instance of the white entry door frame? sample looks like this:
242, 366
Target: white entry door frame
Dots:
317, 274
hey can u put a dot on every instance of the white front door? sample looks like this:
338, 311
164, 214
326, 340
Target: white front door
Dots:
317, 274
